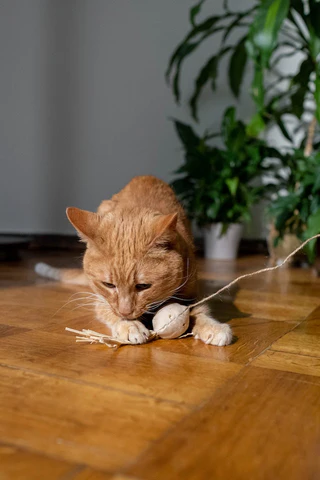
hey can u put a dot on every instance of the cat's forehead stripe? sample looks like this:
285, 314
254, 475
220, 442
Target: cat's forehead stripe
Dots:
134, 277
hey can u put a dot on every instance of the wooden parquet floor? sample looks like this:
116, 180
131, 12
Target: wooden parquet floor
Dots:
172, 409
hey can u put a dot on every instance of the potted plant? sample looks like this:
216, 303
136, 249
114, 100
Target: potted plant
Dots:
267, 34
296, 211
218, 186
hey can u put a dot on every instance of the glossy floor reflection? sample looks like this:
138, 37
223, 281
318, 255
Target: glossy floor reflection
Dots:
172, 409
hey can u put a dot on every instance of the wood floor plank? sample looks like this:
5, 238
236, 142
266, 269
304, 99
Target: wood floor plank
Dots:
49, 295
90, 474
102, 428
252, 336
304, 339
124, 477
6, 330
28, 316
48, 348
228, 270
95, 411
264, 425
16, 464
300, 343
142, 369
43, 319
239, 302
292, 281
289, 362
285, 307
295, 281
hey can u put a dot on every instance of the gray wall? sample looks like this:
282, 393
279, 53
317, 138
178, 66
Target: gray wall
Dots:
84, 104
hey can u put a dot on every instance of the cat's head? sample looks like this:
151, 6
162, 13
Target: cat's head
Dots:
133, 257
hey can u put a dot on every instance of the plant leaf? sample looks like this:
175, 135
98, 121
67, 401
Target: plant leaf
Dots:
255, 126
232, 184
204, 27
314, 16
313, 228
228, 124
186, 134
237, 66
297, 101
301, 80
306, 68
282, 127
266, 25
298, 6
235, 23
257, 87
317, 94
186, 50
179, 55
194, 11
208, 72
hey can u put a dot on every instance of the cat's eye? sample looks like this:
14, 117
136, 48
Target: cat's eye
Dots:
108, 285
142, 286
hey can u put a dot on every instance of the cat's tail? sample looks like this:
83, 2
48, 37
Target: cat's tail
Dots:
64, 275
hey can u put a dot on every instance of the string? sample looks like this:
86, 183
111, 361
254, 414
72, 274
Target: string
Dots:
95, 337
263, 270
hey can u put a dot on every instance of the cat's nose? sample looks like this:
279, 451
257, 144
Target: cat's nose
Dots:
125, 306
125, 312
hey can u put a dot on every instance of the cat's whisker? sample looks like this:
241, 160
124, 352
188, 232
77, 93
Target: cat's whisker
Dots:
183, 284
67, 303
82, 293
188, 276
93, 304
183, 299
83, 306
93, 296
88, 296
153, 306
104, 305
157, 304
77, 300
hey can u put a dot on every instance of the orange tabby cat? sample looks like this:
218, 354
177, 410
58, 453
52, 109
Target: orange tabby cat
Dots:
139, 255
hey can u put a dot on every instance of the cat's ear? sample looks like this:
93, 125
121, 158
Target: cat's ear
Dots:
86, 223
164, 230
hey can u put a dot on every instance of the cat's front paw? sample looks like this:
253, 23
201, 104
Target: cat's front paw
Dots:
131, 331
219, 334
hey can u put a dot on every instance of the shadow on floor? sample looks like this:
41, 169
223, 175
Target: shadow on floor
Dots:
222, 307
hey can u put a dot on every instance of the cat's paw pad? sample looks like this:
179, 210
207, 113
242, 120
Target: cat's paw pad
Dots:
131, 331
219, 334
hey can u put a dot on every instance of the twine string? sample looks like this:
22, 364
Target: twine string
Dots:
91, 336
263, 270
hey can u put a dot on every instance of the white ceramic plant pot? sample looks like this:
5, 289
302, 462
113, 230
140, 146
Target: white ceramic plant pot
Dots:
223, 247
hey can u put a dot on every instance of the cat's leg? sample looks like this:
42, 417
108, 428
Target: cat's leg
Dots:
209, 330
123, 330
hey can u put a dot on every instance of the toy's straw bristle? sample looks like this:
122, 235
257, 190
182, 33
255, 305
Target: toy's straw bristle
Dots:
90, 336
